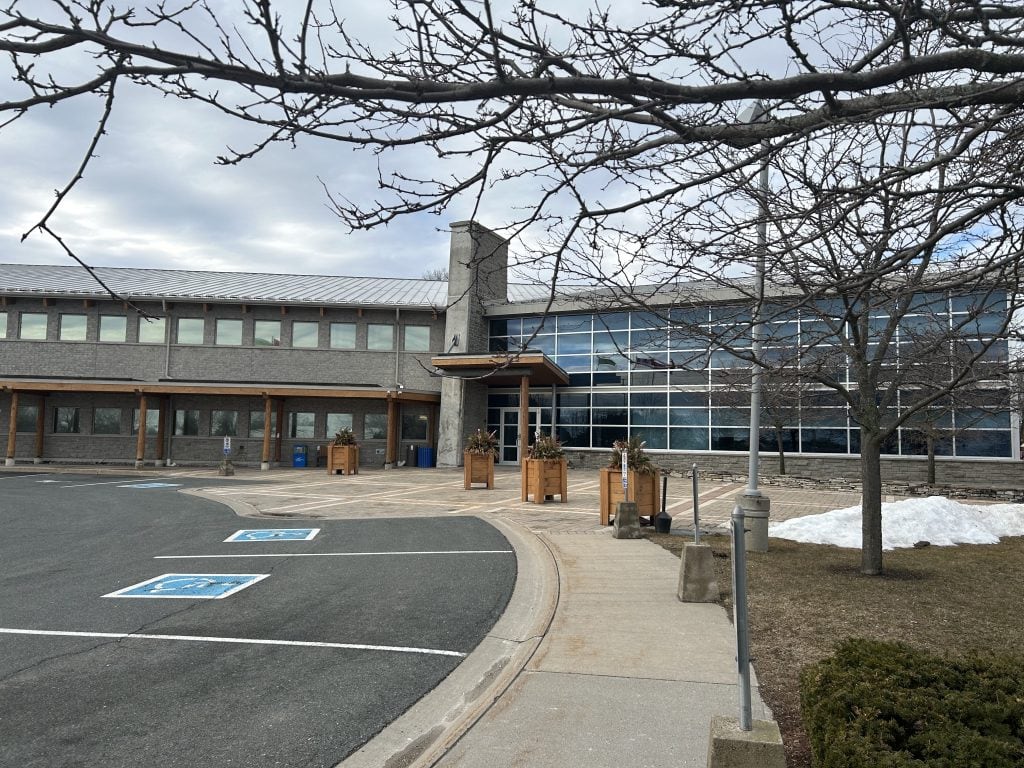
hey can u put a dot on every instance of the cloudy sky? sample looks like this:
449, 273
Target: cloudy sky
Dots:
154, 196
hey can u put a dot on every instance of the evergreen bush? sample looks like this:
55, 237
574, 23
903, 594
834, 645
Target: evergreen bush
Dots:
887, 705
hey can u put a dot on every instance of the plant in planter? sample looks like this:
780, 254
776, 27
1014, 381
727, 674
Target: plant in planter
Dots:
545, 471
643, 477
343, 453
478, 458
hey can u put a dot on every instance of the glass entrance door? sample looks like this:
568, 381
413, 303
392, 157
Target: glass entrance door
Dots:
509, 438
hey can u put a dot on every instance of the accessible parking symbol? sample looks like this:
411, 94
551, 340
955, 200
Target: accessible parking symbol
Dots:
274, 534
193, 586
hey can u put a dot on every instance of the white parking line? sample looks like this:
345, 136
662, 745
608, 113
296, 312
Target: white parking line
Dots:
342, 554
235, 640
15, 477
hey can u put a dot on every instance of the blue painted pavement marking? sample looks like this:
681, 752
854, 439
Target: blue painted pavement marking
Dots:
274, 534
151, 485
203, 586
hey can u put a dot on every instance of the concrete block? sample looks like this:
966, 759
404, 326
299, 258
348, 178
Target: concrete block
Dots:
226, 468
730, 747
627, 520
697, 583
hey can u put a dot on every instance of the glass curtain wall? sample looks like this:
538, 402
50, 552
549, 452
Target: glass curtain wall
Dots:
654, 376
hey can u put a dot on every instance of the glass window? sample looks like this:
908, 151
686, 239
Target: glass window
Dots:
106, 421
186, 422
27, 416
417, 338
337, 422
305, 334
730, 439
3, 325
414, 426
229, 333
573, 323
686, 439
257, 422
653, 438
152, 421
823, 440
380, 337
113, 328
33, 325
688, 417
301, 424
375, 426
977, 442
190, 330
343, 336
224, 423
152, 330
73, 327
267, 333
65, 420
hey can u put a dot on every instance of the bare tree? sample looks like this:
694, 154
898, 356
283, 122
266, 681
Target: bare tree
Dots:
440, 273
893, 134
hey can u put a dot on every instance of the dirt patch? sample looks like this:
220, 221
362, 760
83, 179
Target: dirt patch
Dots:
804, 598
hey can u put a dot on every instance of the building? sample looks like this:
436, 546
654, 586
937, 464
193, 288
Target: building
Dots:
198, 357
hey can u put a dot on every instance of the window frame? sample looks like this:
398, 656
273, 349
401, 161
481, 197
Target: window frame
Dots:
371, 343
122, 336
221, 324
405, 338
95, 419
316, 337
46, 326
202, 331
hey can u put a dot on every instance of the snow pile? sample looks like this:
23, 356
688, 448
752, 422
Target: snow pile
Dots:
936, 519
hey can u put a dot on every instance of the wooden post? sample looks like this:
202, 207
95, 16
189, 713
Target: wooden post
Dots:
161, 430
12, 430
265, 456
280, 427
432, 426
391, 451
140, 440
40, 427
524, 417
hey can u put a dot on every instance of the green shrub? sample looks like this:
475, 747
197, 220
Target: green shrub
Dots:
887, 705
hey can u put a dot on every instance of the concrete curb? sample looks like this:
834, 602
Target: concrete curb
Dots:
421, 736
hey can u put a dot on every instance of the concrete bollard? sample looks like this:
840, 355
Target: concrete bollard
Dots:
697, 583
731, 747
627, 520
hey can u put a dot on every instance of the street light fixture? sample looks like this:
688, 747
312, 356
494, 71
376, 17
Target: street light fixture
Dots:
751, 500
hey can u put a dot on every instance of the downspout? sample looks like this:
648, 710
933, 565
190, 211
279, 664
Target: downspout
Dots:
167, 344
398, 347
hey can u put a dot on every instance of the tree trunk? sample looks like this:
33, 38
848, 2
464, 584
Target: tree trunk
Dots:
931, 459
782, 452
871, 503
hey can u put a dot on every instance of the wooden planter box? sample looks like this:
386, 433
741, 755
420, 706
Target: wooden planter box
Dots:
343, 458
477, 468
544, 477
644, 489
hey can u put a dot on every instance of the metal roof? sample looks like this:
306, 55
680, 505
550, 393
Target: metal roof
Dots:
180, 285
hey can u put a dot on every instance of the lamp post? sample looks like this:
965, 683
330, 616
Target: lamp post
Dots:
751, 501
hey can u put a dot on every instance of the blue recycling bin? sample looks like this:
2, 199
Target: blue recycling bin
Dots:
425, 456
299, 454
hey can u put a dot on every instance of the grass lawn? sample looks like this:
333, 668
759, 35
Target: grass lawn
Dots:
804, 598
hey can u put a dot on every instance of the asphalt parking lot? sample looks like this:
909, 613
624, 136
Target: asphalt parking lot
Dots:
132, 633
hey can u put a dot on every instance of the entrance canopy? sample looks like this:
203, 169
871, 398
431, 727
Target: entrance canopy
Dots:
503, 370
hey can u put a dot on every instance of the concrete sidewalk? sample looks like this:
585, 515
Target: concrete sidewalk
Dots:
594, 663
